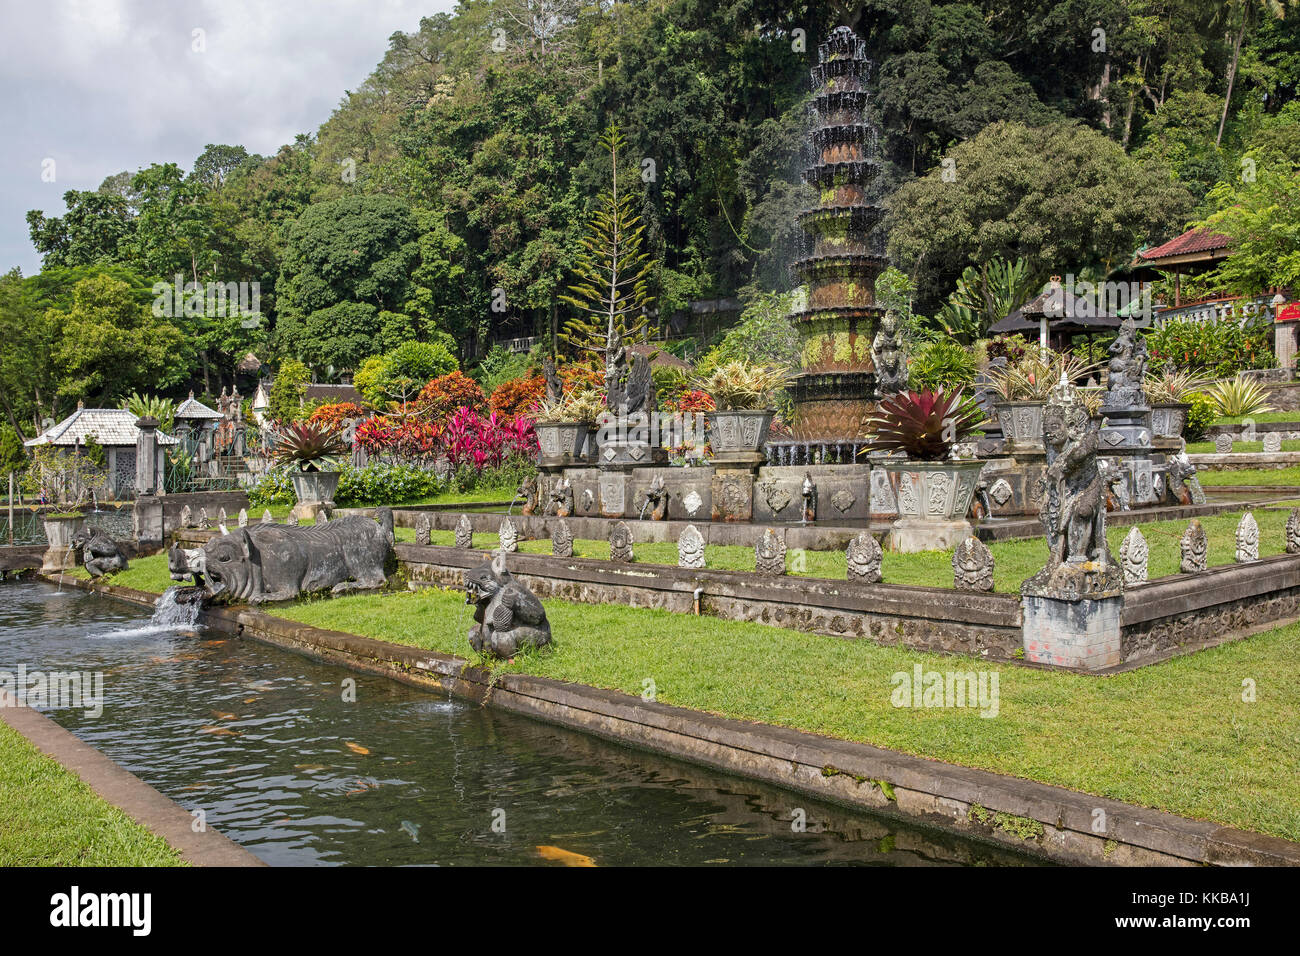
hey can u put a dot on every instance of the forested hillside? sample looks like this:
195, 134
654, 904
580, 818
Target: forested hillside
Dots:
445, 197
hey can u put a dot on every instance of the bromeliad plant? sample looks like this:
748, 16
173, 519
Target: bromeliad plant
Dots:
744, 386
309, 447
924, 425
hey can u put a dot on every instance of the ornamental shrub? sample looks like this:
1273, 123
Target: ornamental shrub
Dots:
1203, 413
441, 397
941, 364
1221, 349
518, 396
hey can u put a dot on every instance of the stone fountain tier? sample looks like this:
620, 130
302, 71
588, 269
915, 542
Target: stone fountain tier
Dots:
831, 406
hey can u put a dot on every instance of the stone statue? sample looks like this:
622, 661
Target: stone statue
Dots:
1223, 444
1183, 482
1194, 547
656, 499
888, 358
99, 553
292, 520
507, 615
620, 542
1128, 368
185, 563
279, 563
972, 566
1116, 483
187, 517
1247, 539
528, 491
423, 529
560, 499
1071, 493
864, 557
243, 518
769, 556
266, 516
554, 391
1293, 532
464, 533
562, 540
690, 548
204, 521
629, 388
1133, 555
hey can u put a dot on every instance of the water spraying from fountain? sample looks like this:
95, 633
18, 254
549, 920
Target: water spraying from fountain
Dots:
178, 607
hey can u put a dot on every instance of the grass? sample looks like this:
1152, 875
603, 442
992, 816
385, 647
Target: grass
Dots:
1270, 477
1207, 447
50, 817
1013, 561
1293, 416
1176, 736
476, 497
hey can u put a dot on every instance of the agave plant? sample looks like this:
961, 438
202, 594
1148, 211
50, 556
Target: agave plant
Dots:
744, 386
311, 447
1240, 396
924, 425
580, 405
1173, 385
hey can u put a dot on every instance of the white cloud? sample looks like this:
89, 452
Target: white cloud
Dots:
106, 85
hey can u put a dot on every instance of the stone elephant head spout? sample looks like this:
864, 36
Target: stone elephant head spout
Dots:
232, 566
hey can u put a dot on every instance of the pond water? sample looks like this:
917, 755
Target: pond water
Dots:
264, 742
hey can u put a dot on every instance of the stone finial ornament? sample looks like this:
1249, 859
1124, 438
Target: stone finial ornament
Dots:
769, 556
293, 521
187, 517
690, 548
221, 517
620, 542
507, 616
204, 521
423, 528
508, 535
1272, 443
1195, 547
266, 516
1133, 555
464, 533
562, 540
972, 566
243, 517
1293, 532
322, 515
1223, 444
1247, 539
864, 557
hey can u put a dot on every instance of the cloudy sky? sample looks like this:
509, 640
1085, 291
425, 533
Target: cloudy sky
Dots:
101, 86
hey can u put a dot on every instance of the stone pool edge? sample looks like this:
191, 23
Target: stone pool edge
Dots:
1050, 821
117, 786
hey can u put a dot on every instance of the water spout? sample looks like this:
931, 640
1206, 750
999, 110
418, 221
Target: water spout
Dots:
178, 607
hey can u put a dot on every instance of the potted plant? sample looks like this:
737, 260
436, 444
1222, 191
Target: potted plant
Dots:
1023, 387
743, 394
1167, 393
312, 451
566, 428
933, 490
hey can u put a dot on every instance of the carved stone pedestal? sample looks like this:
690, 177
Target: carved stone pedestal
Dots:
1073, 633
909, 535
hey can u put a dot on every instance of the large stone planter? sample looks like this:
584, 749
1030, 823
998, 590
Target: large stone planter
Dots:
59, 533
561, 444
737, 436
1022, 425
315, 486
1168, 420
933, 500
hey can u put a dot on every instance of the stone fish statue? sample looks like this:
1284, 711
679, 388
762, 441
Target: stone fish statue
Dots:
280, 562
507, 615
99, 553
185, 563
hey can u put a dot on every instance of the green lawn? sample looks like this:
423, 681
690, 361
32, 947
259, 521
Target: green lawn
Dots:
475, 497
49, 817
1014, 561
1176, 735
1261, 417
1273, 477
1207, 447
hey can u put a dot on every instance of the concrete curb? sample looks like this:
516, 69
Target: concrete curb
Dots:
1054, 822
124, 790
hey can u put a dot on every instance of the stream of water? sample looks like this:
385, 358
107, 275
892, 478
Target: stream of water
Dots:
268, 744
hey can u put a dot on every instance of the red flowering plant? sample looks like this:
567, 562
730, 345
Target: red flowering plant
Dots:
517, 397
445, 394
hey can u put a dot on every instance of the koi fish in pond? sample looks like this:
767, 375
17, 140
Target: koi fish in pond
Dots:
567, 857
